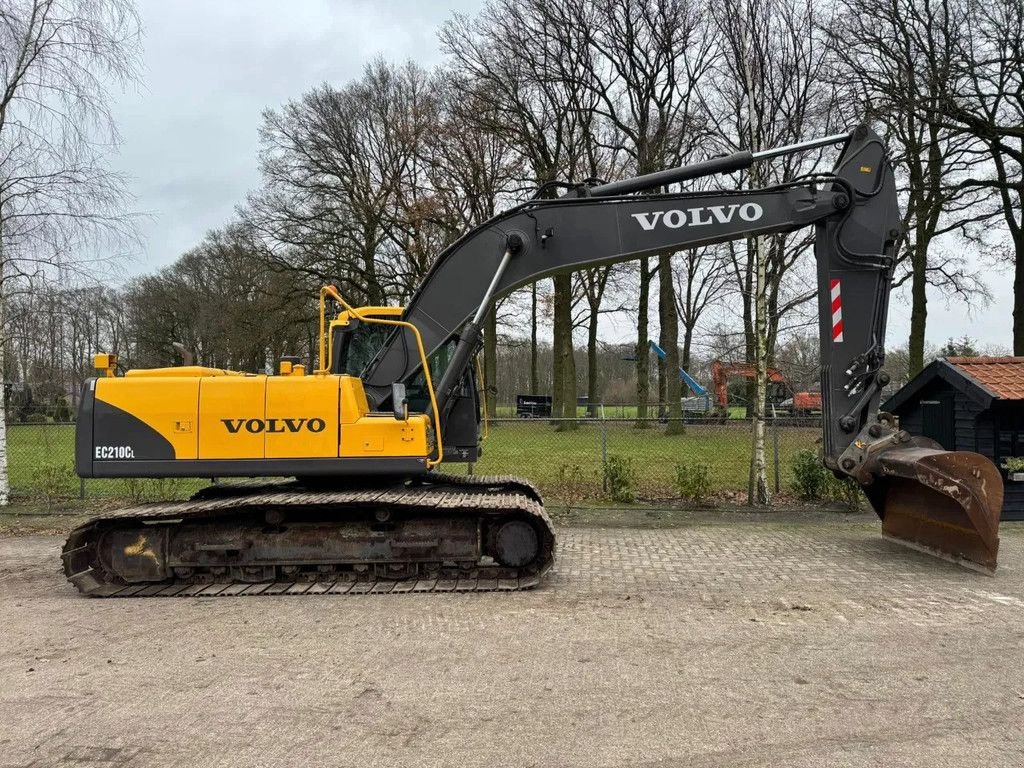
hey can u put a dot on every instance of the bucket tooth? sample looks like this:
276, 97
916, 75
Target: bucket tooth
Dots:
945, 503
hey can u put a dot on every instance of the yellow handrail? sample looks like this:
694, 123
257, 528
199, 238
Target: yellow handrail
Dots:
330, 290
324, 365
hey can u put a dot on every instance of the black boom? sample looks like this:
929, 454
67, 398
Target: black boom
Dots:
854, 210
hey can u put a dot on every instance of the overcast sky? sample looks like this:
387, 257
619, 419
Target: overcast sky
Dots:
212, 66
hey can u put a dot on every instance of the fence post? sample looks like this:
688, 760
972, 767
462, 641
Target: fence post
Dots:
81, 488
775, 450
604, 453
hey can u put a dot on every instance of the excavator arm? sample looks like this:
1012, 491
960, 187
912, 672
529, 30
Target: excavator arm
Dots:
947, 503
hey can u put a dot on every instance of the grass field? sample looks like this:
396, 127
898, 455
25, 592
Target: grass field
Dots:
41, 465
615, 411
568, 466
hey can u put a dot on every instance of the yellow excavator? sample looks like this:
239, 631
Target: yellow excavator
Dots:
349, 497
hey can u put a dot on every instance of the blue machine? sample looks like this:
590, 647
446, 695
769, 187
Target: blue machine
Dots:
702, 402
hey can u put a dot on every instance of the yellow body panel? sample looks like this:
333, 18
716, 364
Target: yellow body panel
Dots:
301, 417
167, 404
224, 415
363, 434
226, 405
382, 435
182, 371
353, 400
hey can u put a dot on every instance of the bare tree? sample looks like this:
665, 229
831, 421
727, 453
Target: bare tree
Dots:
512, 52
471, 171
58, 200
895, 60
702, 280
769, 90
226, 302
593, 286
346, 194
645, 63
985, 100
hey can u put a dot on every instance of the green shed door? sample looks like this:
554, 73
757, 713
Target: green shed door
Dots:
938, 422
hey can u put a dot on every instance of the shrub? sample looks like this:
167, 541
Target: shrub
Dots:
51, 482
161, 489
62, 410
813, 481
810, 477
693, 482
572, 483
619, 480
1014, 464
844, 490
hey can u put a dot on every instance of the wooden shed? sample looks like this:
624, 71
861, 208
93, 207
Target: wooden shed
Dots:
970, 404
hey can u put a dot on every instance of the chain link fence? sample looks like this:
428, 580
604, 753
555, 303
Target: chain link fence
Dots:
584, 460
41, 468
628, 459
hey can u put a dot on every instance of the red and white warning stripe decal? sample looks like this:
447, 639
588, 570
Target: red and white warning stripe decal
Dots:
837, 312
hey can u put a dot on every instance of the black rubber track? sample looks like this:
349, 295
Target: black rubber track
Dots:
449, 495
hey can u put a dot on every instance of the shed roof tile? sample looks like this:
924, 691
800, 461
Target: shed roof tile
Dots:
1004, 376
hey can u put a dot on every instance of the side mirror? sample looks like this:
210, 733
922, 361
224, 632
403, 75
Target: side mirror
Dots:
399, 401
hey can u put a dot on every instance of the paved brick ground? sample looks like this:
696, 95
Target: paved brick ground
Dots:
740, 644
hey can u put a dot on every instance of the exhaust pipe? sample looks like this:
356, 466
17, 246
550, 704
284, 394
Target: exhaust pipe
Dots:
944, 503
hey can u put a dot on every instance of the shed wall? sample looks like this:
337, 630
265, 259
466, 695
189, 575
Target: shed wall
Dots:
974, 430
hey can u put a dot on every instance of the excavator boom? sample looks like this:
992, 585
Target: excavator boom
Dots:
949, 506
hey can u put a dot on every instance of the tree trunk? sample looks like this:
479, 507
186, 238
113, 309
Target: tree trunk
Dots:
662, 395
1016, 228
534, 374
758, 491
565, 362
556, 352
1018, 296
670, 343
684, 363
490, 392
593, 397
5, 487
749, 344
758, 494
918, 307
643, 384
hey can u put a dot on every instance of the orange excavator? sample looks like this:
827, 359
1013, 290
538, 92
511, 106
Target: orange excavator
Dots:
798, 403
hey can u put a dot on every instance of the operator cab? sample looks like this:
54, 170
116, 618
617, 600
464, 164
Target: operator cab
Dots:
353, 343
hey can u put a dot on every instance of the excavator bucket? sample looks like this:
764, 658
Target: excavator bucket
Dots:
945, 503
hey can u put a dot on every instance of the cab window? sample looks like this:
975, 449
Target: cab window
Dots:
355, 348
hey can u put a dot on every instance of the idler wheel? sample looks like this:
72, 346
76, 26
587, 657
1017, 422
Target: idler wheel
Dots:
516, 544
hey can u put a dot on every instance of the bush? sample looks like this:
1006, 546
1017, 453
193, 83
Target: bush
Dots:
1014, 464
36, 418
810, 476
62, 411
693, 482
619, 479
844, 490
572, 484
813, 481
51, 482
161, 489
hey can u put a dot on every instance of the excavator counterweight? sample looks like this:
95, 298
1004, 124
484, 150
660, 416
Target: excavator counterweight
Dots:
394, 396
